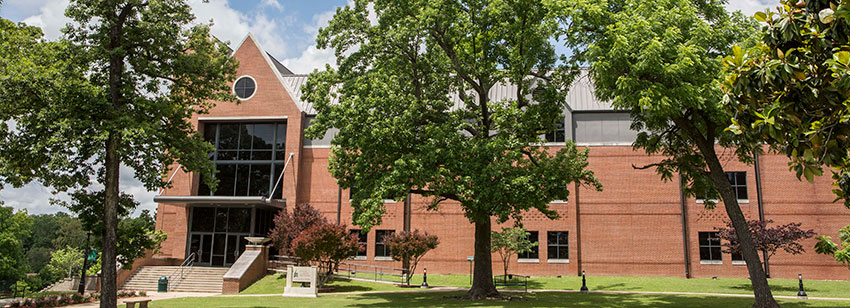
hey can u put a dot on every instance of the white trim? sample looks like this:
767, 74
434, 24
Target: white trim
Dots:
389, 201
528, 260
358, 258
554, 144
256, 87
711, 262
740, 201
558, 261
383, 258
592, 144
738, 262
242, 118
317, 146
558, 202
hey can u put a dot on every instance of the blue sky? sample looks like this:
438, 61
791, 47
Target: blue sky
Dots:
286, 28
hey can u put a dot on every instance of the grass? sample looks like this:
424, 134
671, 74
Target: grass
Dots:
787, 287
432, 299
274, 284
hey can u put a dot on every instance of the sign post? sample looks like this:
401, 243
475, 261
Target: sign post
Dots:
301, 274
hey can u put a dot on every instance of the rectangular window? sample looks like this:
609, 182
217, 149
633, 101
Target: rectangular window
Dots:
738, 179
737, 257
559, 134
248, 158
557, 243
361, 240
380, 248
535, 251
709, 247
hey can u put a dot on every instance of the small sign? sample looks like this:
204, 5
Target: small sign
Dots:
92, 256
470, 259
303, 274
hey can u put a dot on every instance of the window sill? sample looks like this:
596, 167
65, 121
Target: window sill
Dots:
740, 201
710, 262
558, 261
558, 202
358, 258
383, 258
389, 201
528, 260
739, 263
555, 144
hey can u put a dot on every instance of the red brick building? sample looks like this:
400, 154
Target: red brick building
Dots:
639, 225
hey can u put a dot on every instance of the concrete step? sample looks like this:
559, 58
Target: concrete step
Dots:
195, 279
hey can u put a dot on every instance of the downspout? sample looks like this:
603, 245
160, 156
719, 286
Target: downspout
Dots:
683, 203
339, 205
760, 207
578, 233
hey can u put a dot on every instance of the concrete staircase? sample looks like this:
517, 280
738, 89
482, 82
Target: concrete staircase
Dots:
195, 279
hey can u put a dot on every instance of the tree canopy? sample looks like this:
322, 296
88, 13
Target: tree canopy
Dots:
411, 99
661, 61
15, 228
790, 91
119, 88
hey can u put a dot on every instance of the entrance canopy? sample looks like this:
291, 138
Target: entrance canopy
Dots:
219, 200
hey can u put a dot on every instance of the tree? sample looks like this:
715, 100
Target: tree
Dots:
411, 246
661, 61
119, 89
768, 239
325, 244
841, 252
509, 242
410, 98
65, 262
790, 91
135, 236
288, 226
15, 227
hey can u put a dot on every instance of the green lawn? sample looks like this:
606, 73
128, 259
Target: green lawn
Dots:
274, 284
788, 287
437, 300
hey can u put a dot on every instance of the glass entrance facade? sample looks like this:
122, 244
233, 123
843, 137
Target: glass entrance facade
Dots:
217, 234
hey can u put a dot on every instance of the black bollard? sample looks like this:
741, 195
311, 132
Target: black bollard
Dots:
801, 293
424, 278
583, 284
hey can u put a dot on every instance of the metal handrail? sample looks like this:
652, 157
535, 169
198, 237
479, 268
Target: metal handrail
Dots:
187, 263
378, 271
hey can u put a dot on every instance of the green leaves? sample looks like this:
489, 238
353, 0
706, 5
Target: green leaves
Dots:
839, 251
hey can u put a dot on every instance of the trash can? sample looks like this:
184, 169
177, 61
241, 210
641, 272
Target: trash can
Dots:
163, 284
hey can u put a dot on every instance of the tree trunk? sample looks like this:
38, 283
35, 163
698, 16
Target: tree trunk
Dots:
761, 289
482, 278
108, 286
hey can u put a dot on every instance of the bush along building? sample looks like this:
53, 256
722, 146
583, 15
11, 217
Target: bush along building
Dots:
639, 224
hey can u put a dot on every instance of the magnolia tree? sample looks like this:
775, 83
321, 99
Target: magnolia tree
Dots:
786, 237
840, 251
324, 245
509, 242
287, 226
410, 246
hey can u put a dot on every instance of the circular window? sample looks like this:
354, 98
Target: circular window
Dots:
245, 87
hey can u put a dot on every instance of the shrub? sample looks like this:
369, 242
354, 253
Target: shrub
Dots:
325, 245
287, 226
411, 246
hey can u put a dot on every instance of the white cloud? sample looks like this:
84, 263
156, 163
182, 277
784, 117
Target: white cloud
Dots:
750, 7
51, 18
272, 3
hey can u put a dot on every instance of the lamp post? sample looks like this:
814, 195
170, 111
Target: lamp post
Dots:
424, 278
583, 284
82, 288
801, 293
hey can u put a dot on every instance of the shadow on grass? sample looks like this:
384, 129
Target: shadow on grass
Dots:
615, 286
774, 288
564, 300
333, 286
